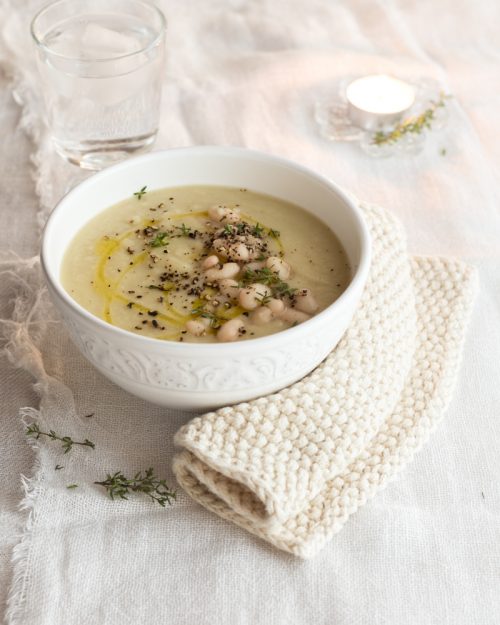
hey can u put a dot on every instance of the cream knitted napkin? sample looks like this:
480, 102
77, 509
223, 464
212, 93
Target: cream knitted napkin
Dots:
292, 467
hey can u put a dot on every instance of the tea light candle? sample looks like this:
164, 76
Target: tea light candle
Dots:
378, 100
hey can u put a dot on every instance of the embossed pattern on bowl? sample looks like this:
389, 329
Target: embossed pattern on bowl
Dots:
203, 376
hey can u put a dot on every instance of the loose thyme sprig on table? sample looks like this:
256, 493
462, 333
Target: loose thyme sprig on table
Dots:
67, 442
415, 125
117, 485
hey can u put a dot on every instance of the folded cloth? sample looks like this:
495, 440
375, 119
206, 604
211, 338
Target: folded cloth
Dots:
292, 467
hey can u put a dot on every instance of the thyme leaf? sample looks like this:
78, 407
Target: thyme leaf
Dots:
198, 310
141, 192
119, 487
159, 287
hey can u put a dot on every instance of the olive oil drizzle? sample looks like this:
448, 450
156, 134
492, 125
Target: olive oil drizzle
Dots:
109, 289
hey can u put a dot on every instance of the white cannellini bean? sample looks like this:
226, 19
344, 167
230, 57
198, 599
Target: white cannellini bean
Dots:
233, 251
257, 264
223, 213
254, 251
210, 261
251, 296
230, 330
304, 301
260, 316
276, 306
219, 244
195, 327
228, 270
237, 251
216, 212
290, 315
231, 216
228, 287
279, 266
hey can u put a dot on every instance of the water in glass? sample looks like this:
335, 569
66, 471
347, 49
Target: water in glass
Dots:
101, 76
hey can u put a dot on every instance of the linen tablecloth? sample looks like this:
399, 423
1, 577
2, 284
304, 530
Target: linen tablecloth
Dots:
427, 550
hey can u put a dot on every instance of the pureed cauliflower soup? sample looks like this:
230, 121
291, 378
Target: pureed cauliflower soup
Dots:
205, 264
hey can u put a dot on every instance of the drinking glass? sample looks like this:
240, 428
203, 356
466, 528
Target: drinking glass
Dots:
101, 65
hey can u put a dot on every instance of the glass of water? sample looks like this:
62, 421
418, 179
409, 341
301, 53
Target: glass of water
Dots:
101, 64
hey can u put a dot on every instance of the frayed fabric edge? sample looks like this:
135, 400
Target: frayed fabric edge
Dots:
26, 321
32, 125
21, 553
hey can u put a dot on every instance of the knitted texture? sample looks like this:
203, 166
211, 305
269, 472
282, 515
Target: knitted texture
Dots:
292, 467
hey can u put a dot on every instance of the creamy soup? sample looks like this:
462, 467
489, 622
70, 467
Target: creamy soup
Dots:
204, 264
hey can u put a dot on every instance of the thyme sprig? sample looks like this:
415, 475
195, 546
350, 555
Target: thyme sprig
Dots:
242, 228
67, 442
257, 231
141, 192
271, 278
415, 125
185, 230
119, 486
200, 311
263, 299
159, 240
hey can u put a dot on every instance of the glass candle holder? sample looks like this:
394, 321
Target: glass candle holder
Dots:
100, 64
396, 122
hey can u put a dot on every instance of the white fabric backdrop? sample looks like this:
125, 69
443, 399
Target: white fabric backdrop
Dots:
428, 549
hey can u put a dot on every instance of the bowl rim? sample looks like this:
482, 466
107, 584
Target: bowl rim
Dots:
357, 281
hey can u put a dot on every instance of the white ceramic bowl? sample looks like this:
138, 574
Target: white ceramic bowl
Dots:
202, 376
